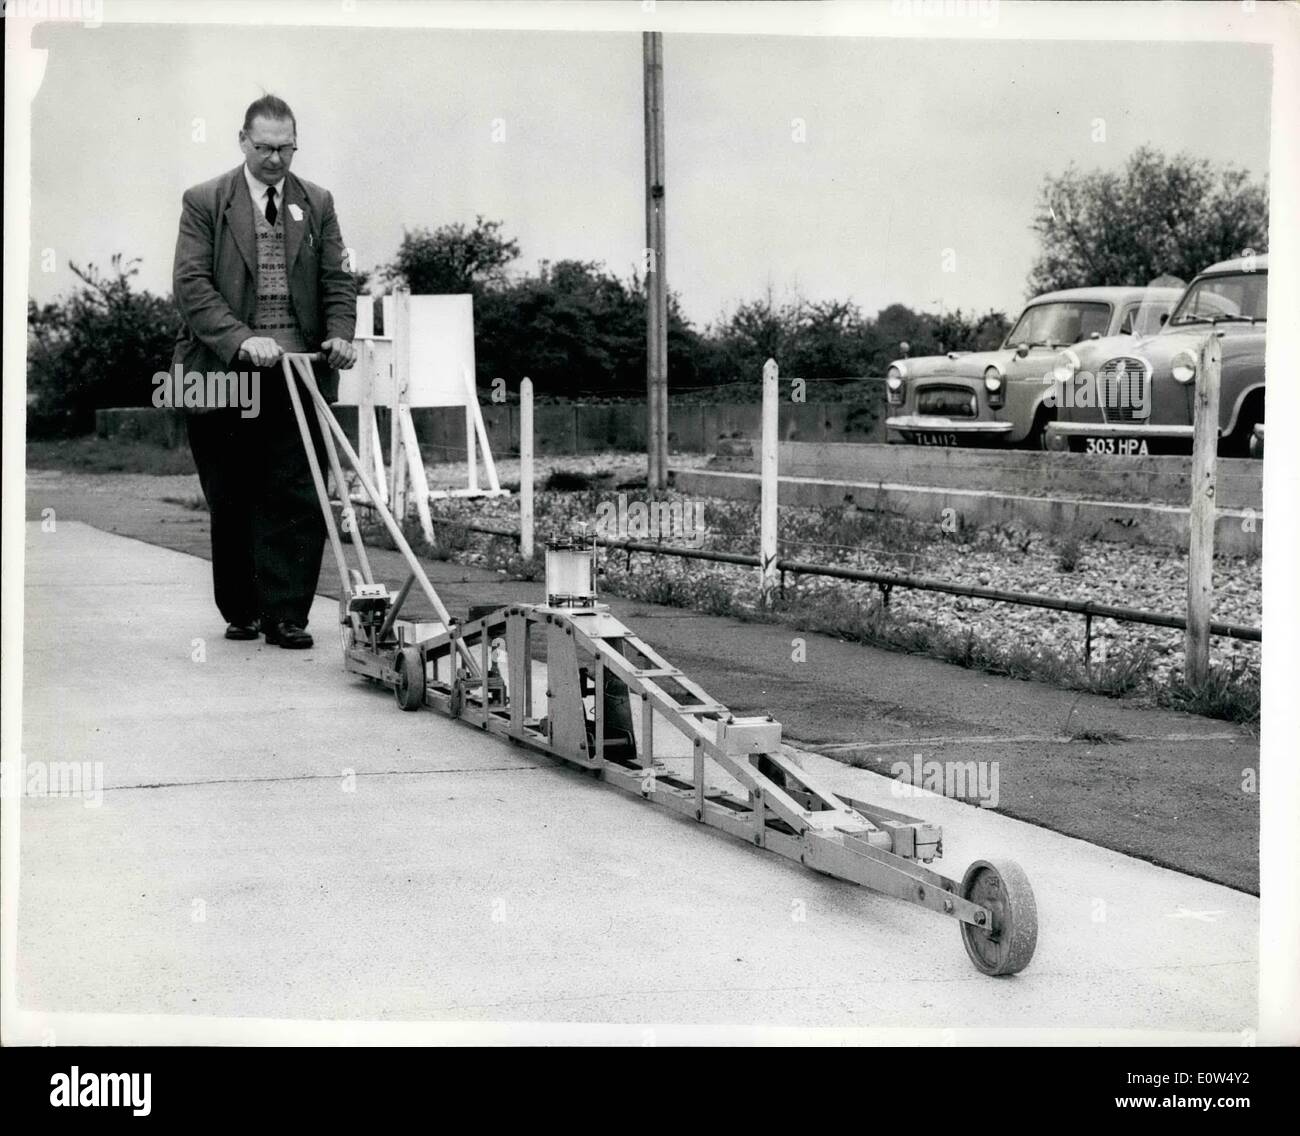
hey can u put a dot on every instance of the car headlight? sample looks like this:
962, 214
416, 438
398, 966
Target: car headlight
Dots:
894, 385
1066, 366
995, 384
1183, 366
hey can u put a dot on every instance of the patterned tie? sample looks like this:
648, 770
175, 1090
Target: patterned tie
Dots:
271, 212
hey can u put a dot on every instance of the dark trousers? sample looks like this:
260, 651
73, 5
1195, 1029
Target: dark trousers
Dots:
267, 530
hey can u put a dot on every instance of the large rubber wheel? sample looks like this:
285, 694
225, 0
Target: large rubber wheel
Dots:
1007, 946
409, 689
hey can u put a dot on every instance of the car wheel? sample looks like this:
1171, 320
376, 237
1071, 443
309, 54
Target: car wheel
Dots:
1237, 444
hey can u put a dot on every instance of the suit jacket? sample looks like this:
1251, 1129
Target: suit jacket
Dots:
214, 276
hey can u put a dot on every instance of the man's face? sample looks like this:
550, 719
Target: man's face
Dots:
261, 142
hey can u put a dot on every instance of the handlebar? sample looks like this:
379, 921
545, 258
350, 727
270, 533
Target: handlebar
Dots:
310, 356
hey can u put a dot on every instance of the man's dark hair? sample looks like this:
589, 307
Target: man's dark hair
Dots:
268, 106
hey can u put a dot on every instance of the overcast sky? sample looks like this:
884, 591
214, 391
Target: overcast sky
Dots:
910, 147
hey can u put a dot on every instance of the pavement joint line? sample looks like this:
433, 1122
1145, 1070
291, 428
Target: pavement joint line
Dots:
994, 739
319, 777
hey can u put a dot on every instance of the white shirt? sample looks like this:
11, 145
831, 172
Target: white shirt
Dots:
258, 190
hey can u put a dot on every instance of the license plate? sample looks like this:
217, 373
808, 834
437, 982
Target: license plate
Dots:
934, 438
1124, 447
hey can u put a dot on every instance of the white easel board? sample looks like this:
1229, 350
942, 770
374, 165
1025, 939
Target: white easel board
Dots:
441, 334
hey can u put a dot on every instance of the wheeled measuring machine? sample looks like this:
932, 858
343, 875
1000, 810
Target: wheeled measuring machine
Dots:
614, 706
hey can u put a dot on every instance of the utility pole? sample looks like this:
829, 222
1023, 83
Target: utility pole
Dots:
652, 48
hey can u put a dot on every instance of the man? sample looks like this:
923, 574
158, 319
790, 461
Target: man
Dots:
259, 272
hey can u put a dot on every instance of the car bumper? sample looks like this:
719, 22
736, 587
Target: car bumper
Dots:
933, 423
1117, 430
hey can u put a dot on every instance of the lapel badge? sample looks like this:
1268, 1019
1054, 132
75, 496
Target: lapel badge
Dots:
295, 211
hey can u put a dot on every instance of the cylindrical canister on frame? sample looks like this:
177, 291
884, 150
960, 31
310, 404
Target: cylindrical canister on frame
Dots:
571, 571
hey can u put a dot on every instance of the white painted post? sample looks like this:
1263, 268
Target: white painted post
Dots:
415, 470
526, 469
471, 448
480, 428
361, 339
365, 326
1200, 545
767, 508
401, 334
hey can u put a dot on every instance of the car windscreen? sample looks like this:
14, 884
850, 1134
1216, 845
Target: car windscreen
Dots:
1240, 296
1146, 318
1060, 323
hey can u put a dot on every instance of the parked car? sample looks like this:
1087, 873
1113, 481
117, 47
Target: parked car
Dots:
997, 397
1136, 397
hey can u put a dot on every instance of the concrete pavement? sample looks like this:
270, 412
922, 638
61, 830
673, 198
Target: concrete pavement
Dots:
274, 839
1153, 783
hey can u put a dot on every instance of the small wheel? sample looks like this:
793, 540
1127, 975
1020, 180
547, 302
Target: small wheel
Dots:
1002, 887
409, 689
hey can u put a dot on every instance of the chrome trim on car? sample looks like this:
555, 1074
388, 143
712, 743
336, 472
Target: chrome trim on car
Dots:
1119, 430
947, 425
1108, 375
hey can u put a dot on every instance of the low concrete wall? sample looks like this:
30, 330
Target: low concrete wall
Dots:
1238, 532
142, 424
571, 428
1164, 478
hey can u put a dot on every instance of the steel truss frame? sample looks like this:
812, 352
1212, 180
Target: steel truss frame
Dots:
598, 675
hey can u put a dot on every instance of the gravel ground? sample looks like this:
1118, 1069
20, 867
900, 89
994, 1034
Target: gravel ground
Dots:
615, 466
1143, 577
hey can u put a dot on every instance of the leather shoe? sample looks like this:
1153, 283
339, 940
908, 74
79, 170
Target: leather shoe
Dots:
249, 630
288, 634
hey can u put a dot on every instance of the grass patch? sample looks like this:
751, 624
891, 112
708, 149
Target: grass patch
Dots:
92, 454
695, 591
1097, 737
1070, 553
450, 538
1227, 693
1123, 672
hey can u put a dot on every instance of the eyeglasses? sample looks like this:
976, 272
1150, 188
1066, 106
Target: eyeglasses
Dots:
265, 151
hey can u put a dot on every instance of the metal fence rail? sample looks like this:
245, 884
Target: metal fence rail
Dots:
1089, 609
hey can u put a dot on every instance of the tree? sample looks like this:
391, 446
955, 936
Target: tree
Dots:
571, 326
827, 340
757, 330
1159, 216
898, 324
452, 259
98, 347
956, 332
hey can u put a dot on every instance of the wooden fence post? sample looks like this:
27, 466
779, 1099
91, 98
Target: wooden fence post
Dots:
767, 552
1200, 545
526, 469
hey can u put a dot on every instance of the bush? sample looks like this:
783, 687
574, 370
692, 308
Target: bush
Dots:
98, 347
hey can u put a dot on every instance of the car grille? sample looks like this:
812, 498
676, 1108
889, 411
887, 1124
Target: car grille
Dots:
952, 402
1121, 387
